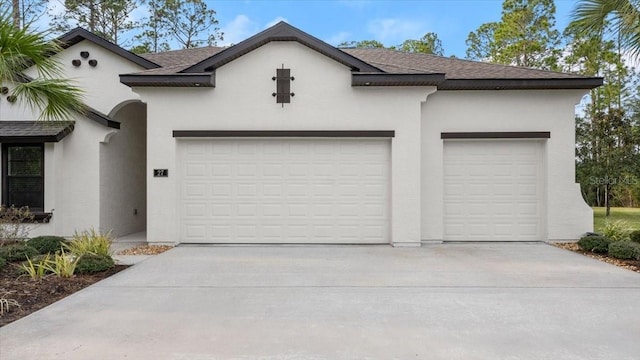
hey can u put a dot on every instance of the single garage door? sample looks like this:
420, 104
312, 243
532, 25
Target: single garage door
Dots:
493, 190
284, 190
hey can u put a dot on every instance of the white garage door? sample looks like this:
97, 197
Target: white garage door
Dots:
284, 191
493, 190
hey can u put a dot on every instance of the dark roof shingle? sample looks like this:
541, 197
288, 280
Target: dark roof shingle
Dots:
34, 131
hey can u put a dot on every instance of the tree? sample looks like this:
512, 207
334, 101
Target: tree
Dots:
153, 37
54, 97
24, 12
620, 17
607, 138
362, 44
106, 18
524, 36
185, 20
428, 44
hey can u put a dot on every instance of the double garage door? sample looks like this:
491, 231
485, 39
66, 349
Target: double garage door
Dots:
338, 190
284, 190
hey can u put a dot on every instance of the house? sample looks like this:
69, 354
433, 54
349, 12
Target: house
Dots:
283, 138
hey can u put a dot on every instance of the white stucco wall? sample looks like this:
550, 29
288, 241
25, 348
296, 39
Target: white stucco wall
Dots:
567, 214
72, 166
72, 171
103, 90
324, 100
123, 196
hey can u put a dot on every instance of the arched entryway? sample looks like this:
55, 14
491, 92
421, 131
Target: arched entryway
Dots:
123, 162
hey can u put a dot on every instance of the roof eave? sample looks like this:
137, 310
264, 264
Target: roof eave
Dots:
521, 84
78, 34
386, 79
101, 118
169, 80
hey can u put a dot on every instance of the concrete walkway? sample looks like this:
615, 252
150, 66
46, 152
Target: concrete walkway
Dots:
451, 301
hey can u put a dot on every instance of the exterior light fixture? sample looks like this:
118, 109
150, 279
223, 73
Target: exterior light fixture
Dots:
93, 62
76, 62
84, 54
4, 90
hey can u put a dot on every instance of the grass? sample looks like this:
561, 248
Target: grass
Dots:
630, 215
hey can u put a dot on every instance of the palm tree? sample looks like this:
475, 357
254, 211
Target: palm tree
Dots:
622, 17
48, 92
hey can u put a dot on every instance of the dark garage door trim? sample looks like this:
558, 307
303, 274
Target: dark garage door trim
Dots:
284, 133
497, 135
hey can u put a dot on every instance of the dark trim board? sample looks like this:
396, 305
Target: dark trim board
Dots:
497, 135
78, 34
284, 133
379, 79
170, 80
520, 84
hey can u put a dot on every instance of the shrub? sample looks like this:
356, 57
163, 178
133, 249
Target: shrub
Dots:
13, 223
626, 250
90, 263
597, 244
616, 230
63, 264
90, 242
3, 262
46, 244
36, 269
17, 252
635, 236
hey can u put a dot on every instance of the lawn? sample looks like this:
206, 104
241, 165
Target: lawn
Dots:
630, 215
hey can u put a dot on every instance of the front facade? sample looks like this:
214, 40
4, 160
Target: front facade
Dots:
285, 139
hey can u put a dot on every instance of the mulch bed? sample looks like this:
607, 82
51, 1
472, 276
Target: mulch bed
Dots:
633, 265
34, 295
146, 250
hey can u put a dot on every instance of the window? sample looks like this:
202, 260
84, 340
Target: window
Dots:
23, 176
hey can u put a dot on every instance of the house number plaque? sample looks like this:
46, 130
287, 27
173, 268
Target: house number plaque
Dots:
160, 172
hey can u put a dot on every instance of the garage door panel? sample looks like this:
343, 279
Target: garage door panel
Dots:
285, 191
493, 190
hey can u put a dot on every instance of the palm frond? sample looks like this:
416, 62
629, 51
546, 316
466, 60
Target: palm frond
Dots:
57, 99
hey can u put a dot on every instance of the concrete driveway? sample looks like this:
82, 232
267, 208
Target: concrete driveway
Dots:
451, 301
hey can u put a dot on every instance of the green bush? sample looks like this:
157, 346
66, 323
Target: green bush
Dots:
90, 242
46, 244
3, 262
596, 244
616, 230
626, 250
635, 236
17, 252
91, 263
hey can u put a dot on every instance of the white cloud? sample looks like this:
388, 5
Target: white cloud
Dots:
238, 29
392, 31
338, 38
275, 21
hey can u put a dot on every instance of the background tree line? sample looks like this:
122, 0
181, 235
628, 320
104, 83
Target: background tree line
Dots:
600, 41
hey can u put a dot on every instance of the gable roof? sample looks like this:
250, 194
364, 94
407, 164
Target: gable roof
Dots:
280, 32
78, 34
369, 67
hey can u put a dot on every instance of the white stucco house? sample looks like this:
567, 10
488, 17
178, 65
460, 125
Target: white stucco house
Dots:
283, 138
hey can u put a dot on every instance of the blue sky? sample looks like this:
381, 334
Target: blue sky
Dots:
389, 22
